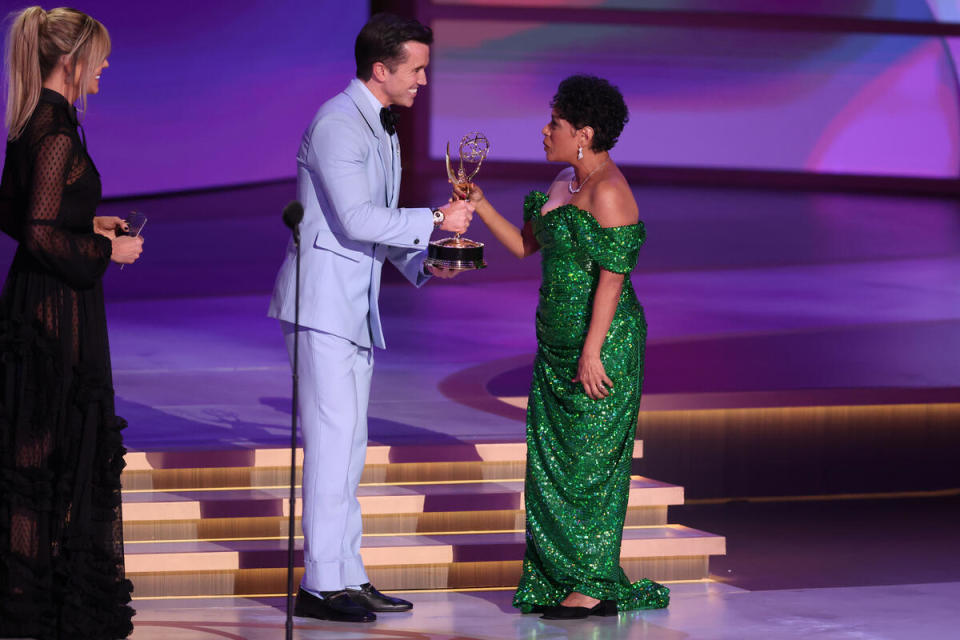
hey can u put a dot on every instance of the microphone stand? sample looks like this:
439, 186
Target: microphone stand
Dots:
294, 223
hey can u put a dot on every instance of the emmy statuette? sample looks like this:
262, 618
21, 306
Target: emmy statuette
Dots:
459, 253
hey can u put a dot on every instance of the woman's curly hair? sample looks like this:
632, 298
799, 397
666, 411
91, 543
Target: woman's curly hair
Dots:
589, 101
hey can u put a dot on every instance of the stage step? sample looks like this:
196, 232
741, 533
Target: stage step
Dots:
386, 509
464, 560
376, 454
436, 516
269, 468
213, 529
251, 583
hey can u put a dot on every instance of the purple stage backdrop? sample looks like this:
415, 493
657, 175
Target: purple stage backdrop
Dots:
829, 102
203, 94
914, 10
210, 94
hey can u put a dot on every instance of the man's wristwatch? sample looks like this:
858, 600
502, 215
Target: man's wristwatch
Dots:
437, 217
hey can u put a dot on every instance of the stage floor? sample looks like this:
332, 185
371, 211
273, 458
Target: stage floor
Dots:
753, 298
697, 612
212, 372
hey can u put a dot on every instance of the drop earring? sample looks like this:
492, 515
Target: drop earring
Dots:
579, 152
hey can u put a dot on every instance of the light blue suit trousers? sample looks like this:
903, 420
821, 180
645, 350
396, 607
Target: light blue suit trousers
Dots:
334, 393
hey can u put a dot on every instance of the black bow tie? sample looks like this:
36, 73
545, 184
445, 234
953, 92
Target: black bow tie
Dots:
389, 120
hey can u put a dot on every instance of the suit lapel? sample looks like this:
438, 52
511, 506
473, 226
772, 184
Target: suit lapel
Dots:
356, 93
395, 171
387, 154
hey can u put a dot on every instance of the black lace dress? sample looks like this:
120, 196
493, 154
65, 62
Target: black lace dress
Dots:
61, 536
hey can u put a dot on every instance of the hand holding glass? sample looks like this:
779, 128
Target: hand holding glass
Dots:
135, 222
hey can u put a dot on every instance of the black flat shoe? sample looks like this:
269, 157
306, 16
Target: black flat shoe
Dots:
334, 605
560, 612
370, 599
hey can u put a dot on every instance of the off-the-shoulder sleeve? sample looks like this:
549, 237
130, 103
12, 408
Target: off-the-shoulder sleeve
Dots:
533, 203
613, 248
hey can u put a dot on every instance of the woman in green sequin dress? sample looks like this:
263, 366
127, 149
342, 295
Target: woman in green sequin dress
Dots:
585, 392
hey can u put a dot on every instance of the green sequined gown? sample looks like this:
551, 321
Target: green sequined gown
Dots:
579, 450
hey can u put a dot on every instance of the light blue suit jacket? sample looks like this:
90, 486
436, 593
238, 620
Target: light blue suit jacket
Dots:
348, 181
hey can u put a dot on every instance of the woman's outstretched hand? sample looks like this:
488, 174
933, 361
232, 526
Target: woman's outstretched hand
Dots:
593, 377
470, 191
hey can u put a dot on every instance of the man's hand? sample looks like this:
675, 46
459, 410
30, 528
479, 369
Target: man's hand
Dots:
443, 273
456, 216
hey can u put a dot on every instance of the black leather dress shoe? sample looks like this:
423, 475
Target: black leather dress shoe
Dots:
334, 605
560, 612
372, 600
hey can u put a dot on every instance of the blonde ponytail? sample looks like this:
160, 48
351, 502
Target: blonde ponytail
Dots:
36, 43
24, 78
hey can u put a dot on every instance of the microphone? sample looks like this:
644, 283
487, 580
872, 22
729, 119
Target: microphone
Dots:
292, 215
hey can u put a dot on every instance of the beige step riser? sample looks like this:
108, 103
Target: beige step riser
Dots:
243, 477
227, 528
409, 503
376, 454
254, 477
440, 576
492, 468
428, 550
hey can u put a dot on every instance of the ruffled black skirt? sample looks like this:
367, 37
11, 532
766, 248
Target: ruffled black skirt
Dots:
61, 454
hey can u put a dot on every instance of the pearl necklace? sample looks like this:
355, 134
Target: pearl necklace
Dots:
577, 190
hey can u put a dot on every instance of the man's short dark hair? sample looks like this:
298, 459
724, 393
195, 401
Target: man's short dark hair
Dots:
381, 40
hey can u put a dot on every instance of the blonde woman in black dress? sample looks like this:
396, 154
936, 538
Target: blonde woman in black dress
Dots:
61, 538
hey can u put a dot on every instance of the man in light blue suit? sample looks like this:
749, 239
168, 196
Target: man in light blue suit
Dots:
348, 179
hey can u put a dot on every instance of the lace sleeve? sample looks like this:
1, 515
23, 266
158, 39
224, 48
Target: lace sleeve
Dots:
78, 258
